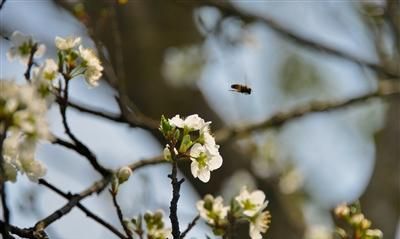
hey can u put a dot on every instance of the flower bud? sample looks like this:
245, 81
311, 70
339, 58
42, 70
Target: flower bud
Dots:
342, 210
123, 174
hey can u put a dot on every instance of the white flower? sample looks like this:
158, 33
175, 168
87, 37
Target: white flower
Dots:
203, 162
25, 112
92, 65
192, 122
251, 203
22, 47
342, 210
183, 66
374, 233
43, 76
212, 210
259, 225
67, 43
167, 153
162, 233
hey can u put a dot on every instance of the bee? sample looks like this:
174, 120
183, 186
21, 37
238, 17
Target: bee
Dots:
244, 89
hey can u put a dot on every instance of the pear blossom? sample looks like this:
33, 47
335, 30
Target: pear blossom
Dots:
203, 162
259, 224
22, 47
251, 203
192, 122
67, 43
155, 225
43, 76
92, 66
23, 115
342, 210
374, 234
212, 209
183, 66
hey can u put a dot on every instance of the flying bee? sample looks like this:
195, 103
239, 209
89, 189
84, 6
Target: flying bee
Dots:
244, 89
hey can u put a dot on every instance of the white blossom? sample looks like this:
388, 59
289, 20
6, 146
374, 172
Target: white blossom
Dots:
67, 43
22, 47
374, 233
92, 66
192, 122
212, 209
203, 162
23, 114
251, 203
259, 225
183, 66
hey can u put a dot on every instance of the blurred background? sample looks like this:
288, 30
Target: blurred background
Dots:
181, 57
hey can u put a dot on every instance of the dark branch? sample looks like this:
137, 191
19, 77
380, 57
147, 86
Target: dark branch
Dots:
21, 232
120, 216
230, 10
80, 147
2, 4
279, 119
83, 208
30, 62
73, 201
173, 208
190, 226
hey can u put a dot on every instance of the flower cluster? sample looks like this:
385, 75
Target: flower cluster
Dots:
190, 138
23, 45
76, 60
23, 121
183, 66
154, 229
352, 215
248, 206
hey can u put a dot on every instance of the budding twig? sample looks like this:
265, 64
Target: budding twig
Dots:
190, 226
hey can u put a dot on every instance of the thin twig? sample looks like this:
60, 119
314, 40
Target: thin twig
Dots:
120, 216
27, 73
279, 119
21, 232
83, 208
82, 148
2, 4
73, 201
190, 226
228, 9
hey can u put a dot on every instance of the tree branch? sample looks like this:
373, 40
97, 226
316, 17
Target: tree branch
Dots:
27, 73
228, 9
2, 4
173, 208
80, 147
190, 226
120, 216
83, 208
73, 201
279, 119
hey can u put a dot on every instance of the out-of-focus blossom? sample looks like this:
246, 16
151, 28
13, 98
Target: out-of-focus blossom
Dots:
318, 232
212, 209
23, 117
22, 47
92, 66
67, 43
183, 66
